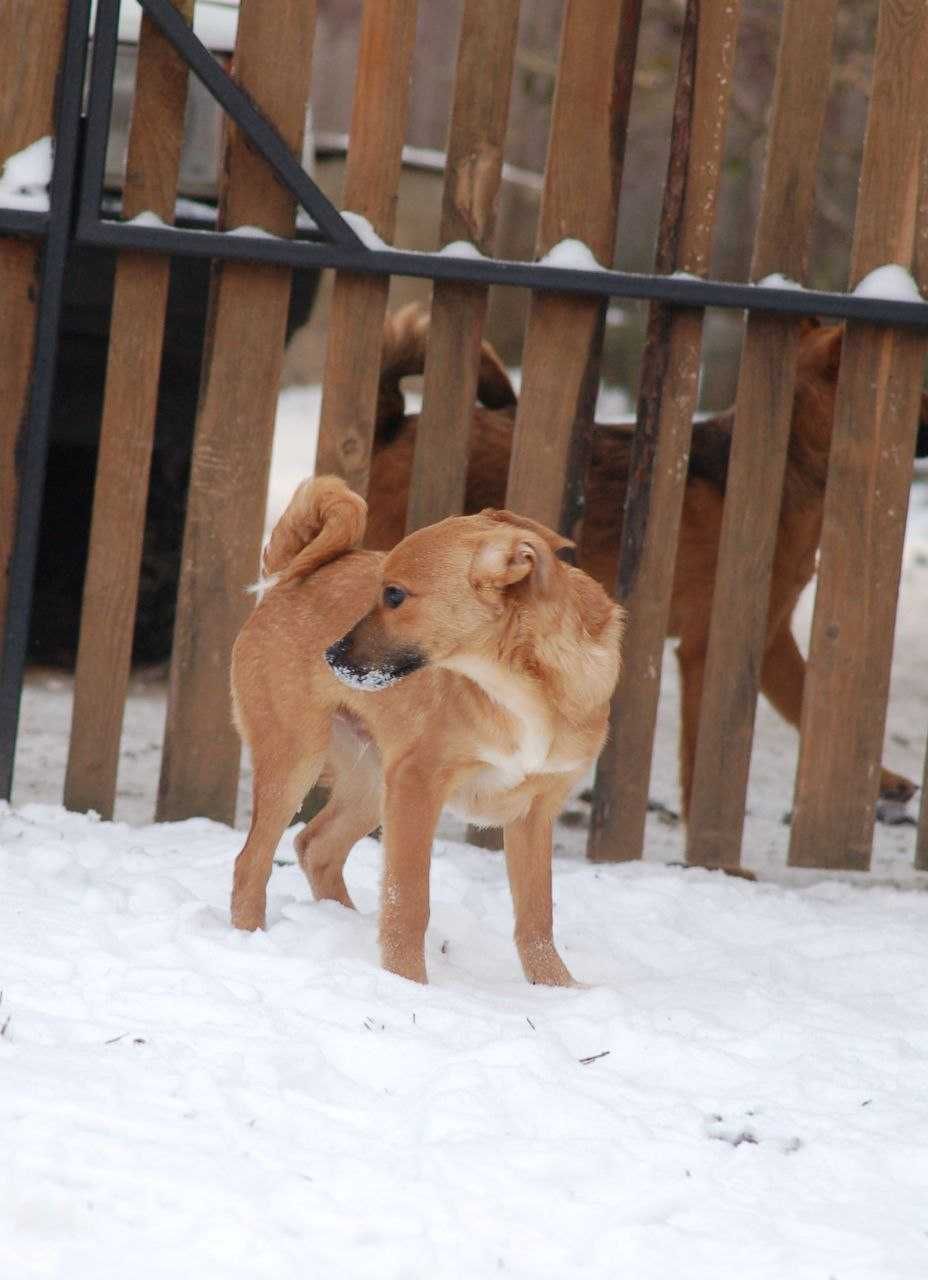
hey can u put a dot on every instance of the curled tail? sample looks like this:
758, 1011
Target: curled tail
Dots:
405, 338
323, 520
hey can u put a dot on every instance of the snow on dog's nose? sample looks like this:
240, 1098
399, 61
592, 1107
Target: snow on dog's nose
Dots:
371, 672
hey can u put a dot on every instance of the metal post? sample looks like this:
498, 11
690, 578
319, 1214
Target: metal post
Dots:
33, 439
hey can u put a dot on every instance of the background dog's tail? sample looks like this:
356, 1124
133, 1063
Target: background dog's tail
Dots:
405, 338
323, 520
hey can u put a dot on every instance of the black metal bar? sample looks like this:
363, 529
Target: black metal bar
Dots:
99, 108
33, 441
260, 132
683, 291
22, 222
346, 251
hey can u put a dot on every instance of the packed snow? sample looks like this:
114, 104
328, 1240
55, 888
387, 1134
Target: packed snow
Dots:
776, 280
364, 230
461, 249
890, 281
25, 177
572, 255
147, 218
736, 1093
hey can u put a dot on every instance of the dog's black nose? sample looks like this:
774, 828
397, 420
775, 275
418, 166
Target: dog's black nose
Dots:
336, 653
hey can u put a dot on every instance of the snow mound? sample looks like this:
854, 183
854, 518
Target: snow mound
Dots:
572, 255
365, 232
890, 281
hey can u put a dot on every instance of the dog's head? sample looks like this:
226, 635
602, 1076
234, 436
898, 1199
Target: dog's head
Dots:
817, 380
448, 589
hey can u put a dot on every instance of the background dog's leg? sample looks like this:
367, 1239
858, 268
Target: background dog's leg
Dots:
351, 812
528, 844
413, 797
276, 797
782, 682
783, 675
692, 672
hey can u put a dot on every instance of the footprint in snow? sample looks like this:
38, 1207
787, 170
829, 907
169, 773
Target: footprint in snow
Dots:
738, 1131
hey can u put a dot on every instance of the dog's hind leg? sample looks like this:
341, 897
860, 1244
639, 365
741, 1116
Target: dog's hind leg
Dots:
692, 661
783, 676
782, 682
280, 781
528, 843
351, 812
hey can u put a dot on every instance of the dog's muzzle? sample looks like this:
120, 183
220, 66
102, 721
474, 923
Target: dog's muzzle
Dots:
371, 676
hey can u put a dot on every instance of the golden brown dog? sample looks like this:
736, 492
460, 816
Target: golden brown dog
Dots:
469, 667
783, 671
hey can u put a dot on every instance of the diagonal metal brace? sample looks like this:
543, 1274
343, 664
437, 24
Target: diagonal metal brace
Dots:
262, 135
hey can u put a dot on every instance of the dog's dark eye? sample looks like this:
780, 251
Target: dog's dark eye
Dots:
393, 597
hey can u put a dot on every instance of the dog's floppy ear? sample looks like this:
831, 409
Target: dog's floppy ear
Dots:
553, 540
516, 550
507, 556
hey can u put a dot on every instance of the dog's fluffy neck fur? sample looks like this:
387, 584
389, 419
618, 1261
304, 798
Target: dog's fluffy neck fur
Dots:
809, 443
536, 648
813, 420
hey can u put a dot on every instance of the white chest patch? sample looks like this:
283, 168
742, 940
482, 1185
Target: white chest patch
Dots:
531, 751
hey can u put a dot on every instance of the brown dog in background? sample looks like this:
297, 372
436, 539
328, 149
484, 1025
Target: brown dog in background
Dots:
470, 667
800, 525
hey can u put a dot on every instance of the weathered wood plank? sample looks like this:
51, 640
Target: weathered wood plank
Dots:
579, 202
583, 176
763, 413
378, 122
30, 53
870, 469
921, 275
666, 403
231, 457
126, 432
486, 50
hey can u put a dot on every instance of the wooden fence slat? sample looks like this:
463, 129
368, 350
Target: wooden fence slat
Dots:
870, 471
30, 53
486, 52
763, 414
580, 198
666, 403
579, 201
127, 431
226, 501
359, 303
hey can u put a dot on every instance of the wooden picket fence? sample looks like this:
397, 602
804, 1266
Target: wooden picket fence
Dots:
846, 691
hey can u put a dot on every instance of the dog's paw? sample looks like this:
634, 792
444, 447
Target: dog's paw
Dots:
405, 966
894, 813
247, 918
543, 967
895, 788
895, 794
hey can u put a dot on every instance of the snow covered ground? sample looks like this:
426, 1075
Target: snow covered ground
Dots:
738, 1093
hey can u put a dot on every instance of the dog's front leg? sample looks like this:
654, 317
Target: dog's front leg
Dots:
528, 842
413, 797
